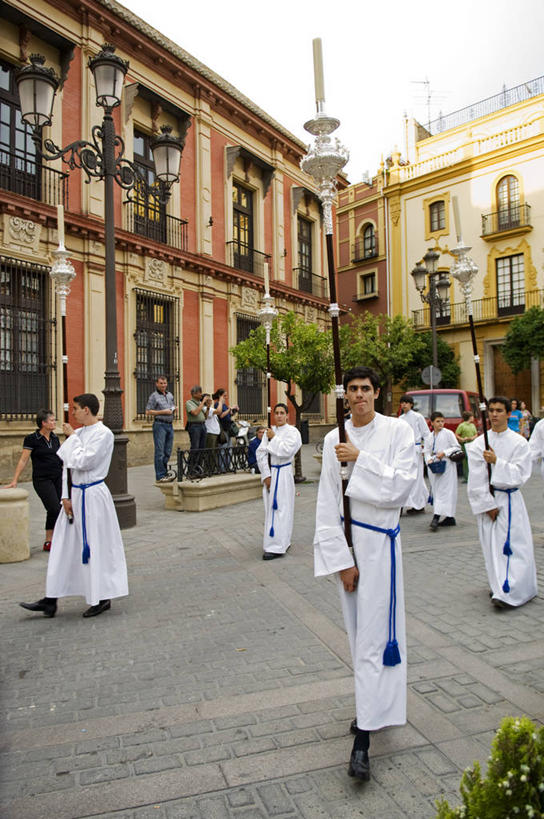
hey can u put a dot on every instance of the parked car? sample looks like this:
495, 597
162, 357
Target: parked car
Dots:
451, 403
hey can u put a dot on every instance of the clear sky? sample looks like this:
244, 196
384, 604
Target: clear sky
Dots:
376, 56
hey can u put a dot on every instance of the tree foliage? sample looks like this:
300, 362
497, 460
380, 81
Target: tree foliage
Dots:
447, 363
524, 340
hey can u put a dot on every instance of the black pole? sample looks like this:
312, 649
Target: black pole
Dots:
483, 403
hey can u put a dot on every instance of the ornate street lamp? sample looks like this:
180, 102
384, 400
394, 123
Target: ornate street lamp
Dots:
103, 159
437, 294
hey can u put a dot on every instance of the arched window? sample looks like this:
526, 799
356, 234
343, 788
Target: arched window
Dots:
508, 202
437, 214
369, 242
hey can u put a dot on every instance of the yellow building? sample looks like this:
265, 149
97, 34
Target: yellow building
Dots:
491, 157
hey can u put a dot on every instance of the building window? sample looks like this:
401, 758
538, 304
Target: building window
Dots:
249, 381
369, 242
242, 227
313, 406
157, 345
368, 284
508, 202
437, 214
19, 166
149, 215
304, 242
26, 339
510, 285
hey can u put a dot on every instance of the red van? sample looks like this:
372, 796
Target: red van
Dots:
451, 403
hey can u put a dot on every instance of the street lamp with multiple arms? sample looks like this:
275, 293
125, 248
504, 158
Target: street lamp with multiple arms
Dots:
437, 294
102, 158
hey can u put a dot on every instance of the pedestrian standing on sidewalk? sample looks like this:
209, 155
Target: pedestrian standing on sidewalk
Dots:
382, 470
161, 407
87, 556
42, 447
213, 430
465, 433
503, 523
281, 442
418, 497
439, 445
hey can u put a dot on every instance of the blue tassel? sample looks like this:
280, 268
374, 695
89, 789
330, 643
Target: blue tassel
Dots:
275, 504
86, 554
271, 533
506, 550
391, 655
430, 500
506, 587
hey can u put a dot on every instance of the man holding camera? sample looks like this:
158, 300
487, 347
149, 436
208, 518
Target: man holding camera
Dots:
196, 408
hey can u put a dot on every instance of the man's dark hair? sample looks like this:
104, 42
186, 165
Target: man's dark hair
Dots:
195, 389
282, 405
87, 399
362, 372
41, 416
160, 378
436, 414
500, 399
407, 399
467, 414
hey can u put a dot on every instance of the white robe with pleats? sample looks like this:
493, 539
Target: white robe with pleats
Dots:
420, 493
278, 523
444, 486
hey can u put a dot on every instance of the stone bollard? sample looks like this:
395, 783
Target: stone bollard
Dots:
13, 525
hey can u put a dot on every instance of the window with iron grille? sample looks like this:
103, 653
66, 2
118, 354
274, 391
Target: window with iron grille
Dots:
20, 168
508, 202
26, 339
369, 242
149, 213
437, 212
157, 346
249, 381
242, 227
510, 284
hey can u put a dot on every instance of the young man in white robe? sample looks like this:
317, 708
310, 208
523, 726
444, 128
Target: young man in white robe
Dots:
382, 470
419, 495
87, 556
503, 523
281, 442
439, 445
536, 444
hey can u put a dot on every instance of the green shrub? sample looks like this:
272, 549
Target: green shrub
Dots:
514, 783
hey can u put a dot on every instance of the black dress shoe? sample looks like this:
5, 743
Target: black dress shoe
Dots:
271, 555
359, 765
104, 605
48, 609
434, 523
353, 727
500, 604
448, 522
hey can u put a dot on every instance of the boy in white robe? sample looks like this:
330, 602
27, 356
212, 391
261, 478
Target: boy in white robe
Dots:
281, 442
418, 497
503, 523
536, 444
382, 470
439, 445
87, 556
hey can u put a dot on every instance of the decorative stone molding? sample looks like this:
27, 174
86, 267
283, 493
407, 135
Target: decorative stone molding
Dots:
310, 314
250, 298
97, 248
22, 233
156, 272
156, 277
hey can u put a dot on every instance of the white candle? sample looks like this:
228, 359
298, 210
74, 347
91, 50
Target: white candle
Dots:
60, 224
266, 279
456, 217
318, 71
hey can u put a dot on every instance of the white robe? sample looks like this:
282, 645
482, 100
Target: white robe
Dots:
282, 449
88, 454
380, 482
511, 471
420, 493
444, 486
536, 444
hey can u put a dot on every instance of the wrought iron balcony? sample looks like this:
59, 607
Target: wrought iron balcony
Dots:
27, 176
244, 257
156, 225
483, 310
361, 250
512, 218
308, 282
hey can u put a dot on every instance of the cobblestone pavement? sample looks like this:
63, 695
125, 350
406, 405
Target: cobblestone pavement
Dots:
222, 686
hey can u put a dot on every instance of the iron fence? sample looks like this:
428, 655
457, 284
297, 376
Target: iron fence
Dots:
203, 463
487, 309
27, 176
156, 225
515, 216
308, 282
244, 257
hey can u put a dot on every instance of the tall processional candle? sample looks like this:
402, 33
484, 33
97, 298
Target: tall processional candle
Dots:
60, 224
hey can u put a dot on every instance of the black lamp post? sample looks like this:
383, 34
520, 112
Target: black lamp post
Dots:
102, 159
437, 293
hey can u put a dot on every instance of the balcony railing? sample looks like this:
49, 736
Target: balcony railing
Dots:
159, 227
310, 283
516, 216
361, 251
244, 257
488, 309
28, 177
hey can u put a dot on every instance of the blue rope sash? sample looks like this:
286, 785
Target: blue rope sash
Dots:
507, 548
83, 486
391, 654
275, 499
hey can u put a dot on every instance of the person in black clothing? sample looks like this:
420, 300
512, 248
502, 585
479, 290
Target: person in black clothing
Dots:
41, 447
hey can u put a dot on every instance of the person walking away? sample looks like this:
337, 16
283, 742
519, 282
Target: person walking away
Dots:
503, 523
281, 442
465, 433
252, 448
87, 557
161, 407
515, 417
42, 447
439, 444
420, 493
382, 471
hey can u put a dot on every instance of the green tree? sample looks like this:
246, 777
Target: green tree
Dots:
447, 363
524, 340
300, 355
